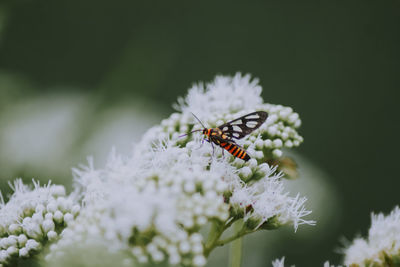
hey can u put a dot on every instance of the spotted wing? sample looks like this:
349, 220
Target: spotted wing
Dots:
240, 127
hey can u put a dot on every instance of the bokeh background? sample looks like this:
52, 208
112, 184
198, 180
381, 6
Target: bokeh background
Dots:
78, 77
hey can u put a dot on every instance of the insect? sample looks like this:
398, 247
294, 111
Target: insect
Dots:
225, 134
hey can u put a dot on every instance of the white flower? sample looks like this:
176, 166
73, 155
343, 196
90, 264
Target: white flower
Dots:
327, 264
381, 245
25, 220
279, 262
39, 131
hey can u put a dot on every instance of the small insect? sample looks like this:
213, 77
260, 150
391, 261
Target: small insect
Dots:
225, 134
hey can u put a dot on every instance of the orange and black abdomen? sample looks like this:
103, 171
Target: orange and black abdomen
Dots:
236, 151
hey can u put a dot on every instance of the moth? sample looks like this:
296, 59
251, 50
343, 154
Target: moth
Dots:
226, 134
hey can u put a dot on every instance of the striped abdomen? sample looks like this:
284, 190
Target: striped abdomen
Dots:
235, 151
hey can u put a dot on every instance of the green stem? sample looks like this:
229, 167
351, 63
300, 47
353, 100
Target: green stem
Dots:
235, 258
232, 238
216, 231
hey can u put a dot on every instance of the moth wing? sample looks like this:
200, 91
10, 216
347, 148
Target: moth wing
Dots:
240, 127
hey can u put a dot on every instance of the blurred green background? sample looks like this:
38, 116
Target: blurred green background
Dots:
77, 77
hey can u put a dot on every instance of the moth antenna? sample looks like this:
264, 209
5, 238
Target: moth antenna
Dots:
190, 133
198, 120
194, 130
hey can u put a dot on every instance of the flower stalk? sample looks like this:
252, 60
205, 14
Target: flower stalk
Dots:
216, 231
236, 246
237, 235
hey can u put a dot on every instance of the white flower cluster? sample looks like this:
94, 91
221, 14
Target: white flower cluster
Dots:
382, 247
268, 201
153, 204
225, 99
228, 98
31, 218
150, 205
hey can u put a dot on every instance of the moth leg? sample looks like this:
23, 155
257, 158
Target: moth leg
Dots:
202, 142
